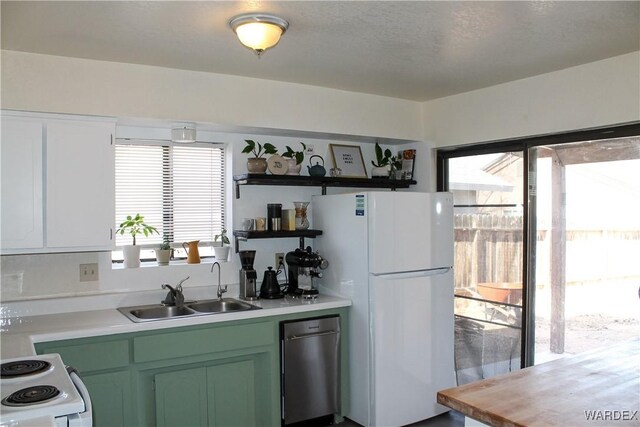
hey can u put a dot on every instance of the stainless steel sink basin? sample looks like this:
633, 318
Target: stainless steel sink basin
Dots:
224, 305
161, 312
147, 313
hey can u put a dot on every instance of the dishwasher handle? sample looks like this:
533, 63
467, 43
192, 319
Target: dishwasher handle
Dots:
311, 335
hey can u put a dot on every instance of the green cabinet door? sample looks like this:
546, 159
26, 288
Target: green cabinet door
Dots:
111, 398
232, 394
181, 398
222, 395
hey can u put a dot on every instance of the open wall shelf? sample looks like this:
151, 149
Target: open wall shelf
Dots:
241, 235
313, 181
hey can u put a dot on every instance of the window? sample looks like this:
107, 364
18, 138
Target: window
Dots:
178, 188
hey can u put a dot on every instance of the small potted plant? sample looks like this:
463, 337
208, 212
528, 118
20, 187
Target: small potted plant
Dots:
382, 165
396, 167
163, 254
220, 250
294, 159
258, 164
134, 226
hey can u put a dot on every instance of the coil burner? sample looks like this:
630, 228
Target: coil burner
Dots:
31, 395
22, 368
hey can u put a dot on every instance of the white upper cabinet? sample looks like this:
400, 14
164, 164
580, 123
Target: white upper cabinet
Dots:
80, 184
58, 183
21, 206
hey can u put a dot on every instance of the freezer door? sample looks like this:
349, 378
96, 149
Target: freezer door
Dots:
412, 327
409, 231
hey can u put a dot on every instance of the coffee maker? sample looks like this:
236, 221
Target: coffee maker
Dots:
248, 276
304, 265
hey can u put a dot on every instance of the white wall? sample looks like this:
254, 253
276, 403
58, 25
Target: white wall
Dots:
596, 94
45, 83
591, 95
35, 82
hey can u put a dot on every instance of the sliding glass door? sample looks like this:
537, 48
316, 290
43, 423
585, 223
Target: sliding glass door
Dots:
547, 246
488, 248
587, 246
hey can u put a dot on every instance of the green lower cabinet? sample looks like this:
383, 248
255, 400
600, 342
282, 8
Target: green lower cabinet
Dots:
232, 394
112, 398
221, 395
220, 375
181, 398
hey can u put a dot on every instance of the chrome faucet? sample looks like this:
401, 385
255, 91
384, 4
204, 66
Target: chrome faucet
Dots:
220, 290
175, 295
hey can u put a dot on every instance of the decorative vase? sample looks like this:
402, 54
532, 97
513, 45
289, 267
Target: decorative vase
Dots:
131, 254
163, 256
381, 172
294, 169
256, 165
191, 248
221, 253
302, 223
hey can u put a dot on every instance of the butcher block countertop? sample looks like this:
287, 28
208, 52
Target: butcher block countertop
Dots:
596, 388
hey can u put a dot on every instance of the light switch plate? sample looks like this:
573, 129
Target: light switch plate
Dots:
88, 272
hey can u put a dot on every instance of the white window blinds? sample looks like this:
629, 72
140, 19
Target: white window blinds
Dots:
179, 189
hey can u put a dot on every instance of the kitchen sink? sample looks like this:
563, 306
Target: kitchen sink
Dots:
146, 313
223, 305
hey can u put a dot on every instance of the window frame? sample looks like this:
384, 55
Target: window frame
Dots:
167, 144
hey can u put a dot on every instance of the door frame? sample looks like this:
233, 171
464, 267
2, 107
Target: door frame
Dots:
524, 145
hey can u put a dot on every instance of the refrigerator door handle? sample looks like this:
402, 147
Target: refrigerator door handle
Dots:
416, 273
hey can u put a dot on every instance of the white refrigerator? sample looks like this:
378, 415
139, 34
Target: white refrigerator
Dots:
391, 253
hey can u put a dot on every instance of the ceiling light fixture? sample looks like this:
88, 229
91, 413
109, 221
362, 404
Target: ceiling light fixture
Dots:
184, 134
258, 32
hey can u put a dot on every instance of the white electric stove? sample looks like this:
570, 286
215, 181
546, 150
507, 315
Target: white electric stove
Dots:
42, 388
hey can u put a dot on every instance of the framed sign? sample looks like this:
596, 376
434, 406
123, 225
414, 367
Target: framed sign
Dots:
349, 159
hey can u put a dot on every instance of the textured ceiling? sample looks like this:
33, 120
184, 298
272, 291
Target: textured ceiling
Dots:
415, 50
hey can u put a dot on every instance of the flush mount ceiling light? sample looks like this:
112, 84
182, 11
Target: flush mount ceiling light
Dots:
258, 32
183, 134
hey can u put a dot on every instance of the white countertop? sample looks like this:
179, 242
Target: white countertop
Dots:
19, 334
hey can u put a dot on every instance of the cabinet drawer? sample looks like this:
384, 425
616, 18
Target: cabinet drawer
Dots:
193, 343
92, 357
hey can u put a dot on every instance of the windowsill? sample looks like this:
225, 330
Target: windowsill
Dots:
154, 264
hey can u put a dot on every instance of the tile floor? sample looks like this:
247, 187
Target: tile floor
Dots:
448, 419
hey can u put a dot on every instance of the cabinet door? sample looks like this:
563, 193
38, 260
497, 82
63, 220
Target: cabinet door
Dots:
231, 392
111, 398
21, 192
181, 398
80, 181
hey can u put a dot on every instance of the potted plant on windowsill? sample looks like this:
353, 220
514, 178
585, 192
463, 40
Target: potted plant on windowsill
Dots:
294, 159
258, 164
134, 226
381, 167
220, 250
163, 254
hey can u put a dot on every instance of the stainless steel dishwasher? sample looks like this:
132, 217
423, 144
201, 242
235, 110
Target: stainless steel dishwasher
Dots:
310, 368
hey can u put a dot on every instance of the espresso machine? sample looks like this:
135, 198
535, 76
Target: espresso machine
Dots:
248, 276
304, 266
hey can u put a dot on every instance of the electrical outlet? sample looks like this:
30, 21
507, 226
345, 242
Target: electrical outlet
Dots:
279, 259
309, 149
88, 272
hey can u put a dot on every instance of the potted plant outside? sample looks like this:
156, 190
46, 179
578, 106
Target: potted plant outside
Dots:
258, 164
163, 254
220, 250
294, 159
134, 226
382, 165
